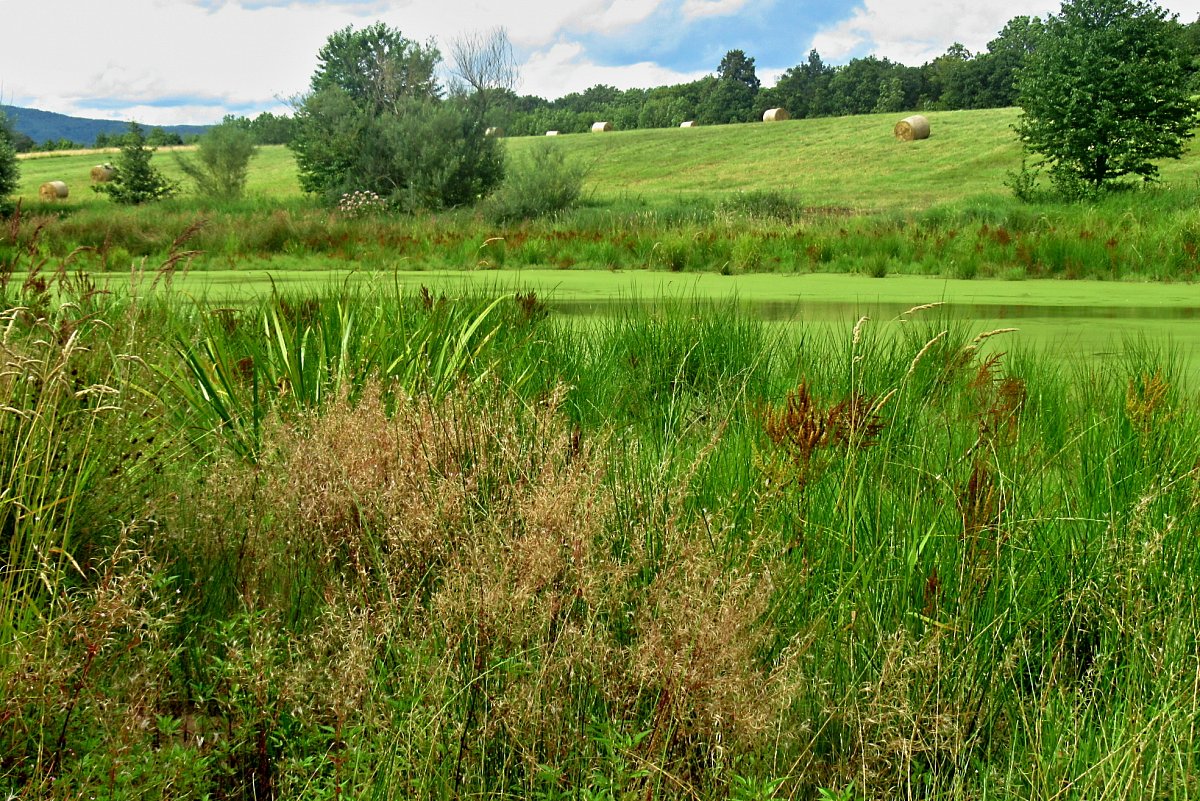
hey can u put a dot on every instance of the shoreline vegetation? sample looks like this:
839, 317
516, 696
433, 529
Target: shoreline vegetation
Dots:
802, 196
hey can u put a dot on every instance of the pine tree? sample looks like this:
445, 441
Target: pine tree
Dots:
137, 181
10, 172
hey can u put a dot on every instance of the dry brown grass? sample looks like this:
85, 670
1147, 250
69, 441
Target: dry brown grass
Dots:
478, 534
804, 429
97, 664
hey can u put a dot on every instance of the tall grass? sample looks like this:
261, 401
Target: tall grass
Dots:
1142, 235
669, 555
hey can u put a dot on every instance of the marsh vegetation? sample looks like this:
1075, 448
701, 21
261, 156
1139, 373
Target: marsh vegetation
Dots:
430, 546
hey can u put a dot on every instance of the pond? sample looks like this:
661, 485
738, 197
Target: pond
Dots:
1072, 320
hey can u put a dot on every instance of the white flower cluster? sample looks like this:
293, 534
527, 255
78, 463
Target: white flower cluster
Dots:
361, 203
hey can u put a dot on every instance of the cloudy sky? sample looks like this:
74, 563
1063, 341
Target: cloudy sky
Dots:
193, 61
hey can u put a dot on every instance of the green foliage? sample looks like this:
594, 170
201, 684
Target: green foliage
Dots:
136, 181
377, 66
386, 131
1023, 182
732, 99
321, 350
764, 204
1105, 93
222, 162
10, 172
159, 137
543, 182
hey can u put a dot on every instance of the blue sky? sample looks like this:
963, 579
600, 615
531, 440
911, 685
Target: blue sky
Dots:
192, 61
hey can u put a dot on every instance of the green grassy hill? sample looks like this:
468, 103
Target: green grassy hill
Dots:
846, 162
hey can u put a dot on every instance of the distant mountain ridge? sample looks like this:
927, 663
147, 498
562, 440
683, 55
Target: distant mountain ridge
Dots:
42, 126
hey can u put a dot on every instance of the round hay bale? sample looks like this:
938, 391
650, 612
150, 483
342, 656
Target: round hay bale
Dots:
103, 173
910, 128
551, 133
53, 190
688, 124
496, 132
601, 127
775, 115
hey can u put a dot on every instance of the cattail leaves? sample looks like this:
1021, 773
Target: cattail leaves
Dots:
289, 356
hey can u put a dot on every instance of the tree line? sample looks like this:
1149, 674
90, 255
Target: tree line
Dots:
957, 79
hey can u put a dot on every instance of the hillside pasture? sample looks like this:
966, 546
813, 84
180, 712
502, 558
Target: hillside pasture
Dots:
845, 163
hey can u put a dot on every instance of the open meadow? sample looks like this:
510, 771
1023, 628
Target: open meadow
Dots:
779, 468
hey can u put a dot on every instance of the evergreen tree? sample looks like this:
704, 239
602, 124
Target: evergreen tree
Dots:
10, 172
136, 181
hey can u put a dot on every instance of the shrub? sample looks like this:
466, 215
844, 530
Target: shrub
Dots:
223, 159
764, 204
385, 129
544, 183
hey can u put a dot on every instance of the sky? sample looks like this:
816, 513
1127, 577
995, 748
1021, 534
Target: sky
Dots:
165, 62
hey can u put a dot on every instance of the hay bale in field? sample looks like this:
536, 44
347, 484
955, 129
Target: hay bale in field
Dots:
103, 173
601, 127
53, 190
496, 132
688, 124
775, 115
910, 128
551, 133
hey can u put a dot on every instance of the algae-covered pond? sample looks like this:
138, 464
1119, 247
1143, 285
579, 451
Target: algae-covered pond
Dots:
1092, 320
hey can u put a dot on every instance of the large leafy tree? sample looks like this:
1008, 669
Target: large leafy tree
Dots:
375, 120
732, 97
804, 89
1104, 93
377, 66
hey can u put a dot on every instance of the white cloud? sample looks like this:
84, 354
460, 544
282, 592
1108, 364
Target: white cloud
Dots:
564, 68
615, 15
693, 9
915, 33
152, 58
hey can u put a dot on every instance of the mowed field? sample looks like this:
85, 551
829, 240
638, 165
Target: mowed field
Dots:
846, 163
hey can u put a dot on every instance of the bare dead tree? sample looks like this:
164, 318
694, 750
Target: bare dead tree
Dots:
485, 64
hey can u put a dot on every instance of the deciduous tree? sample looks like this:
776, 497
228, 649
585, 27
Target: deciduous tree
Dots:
375, 121
1105, 94
732, 98
222, 161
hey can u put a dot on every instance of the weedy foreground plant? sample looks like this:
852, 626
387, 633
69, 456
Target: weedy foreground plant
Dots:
479, 551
